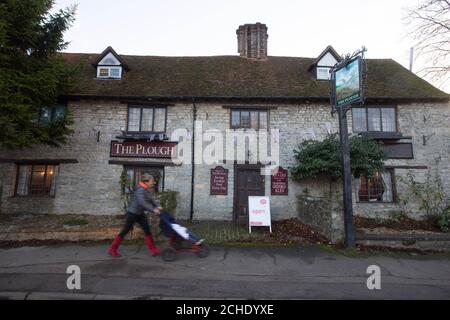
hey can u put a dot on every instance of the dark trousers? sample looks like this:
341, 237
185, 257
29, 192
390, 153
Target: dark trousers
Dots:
131, 220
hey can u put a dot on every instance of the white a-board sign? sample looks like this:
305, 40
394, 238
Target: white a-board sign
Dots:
259, 212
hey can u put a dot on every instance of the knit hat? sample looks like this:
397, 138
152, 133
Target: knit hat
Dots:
147, 177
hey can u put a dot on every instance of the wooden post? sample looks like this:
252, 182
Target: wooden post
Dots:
347, 179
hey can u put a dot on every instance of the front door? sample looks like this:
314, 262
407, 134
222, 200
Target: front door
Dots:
247, 182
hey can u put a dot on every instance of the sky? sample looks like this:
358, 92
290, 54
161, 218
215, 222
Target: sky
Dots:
297, 28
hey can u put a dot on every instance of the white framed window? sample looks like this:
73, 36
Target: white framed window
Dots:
107, 72
323, 73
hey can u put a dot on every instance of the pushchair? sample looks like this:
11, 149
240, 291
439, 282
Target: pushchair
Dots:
180, 238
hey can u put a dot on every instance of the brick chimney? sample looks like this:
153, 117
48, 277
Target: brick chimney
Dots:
252, 41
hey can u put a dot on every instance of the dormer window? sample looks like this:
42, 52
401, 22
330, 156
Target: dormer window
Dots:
320, 68
109, 72
109, 65
323, 73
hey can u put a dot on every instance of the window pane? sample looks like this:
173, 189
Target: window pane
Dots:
59, 112
245, 119
147, 119
160, 120
376, 188
131, 180
134, 115
263, 120
23, 180
374, 119
388, 195
254, 120
235, 119
359, 119
388, 119
114, 72
45, 115
37, 180
103, 72
323, 73
50, 180
362, 189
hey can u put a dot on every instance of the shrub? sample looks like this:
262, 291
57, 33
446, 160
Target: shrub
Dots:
168, 199
323, 158
433, 201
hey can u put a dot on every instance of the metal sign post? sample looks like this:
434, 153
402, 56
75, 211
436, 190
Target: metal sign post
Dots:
347, 89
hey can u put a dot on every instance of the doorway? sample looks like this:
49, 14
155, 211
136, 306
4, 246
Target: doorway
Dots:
248, 181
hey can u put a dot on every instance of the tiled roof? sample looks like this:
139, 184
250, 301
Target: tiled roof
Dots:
233, 76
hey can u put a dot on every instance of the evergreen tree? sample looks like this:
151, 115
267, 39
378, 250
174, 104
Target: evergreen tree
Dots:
33, 74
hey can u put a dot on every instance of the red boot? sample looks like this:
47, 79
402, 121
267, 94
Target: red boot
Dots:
114, 246
151, 246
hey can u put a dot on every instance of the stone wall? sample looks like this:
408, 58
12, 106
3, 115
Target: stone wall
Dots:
320, 206
92, 186
417, 121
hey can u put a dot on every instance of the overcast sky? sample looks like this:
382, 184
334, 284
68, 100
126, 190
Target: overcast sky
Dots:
297, 28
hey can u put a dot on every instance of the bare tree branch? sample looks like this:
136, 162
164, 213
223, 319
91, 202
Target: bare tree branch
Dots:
429, 26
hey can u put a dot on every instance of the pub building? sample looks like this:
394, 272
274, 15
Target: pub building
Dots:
125, 109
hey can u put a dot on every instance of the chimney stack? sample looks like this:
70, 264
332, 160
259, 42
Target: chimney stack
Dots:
252, 41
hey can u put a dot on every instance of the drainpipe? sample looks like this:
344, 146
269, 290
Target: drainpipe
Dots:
194, 114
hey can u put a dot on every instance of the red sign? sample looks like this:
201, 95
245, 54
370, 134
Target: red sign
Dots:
279, 182
138, 149
219, 181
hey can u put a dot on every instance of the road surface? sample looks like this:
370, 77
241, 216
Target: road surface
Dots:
228, 273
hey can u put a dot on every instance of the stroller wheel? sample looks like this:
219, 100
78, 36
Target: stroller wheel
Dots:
169, 254
203, 252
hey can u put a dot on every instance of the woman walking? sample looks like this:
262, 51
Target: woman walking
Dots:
143, 200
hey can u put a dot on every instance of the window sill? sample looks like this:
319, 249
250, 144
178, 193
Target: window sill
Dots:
143, 135
248, 129
32, 197
107, 78
376, 202
382, 135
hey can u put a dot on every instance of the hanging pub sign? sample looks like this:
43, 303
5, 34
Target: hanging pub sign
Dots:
346, 83
279, 182
219, 181
136, 149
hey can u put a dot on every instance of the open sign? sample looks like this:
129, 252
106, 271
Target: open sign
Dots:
259, 212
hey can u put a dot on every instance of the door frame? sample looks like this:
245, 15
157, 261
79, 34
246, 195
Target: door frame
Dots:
236, 168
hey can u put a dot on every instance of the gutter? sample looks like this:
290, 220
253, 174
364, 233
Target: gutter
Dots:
285, 99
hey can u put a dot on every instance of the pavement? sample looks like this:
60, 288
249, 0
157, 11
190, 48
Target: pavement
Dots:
303, 272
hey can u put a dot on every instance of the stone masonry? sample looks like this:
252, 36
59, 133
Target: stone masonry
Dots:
91, 186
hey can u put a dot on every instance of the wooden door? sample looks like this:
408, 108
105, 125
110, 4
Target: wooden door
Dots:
247, 182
